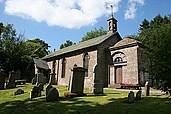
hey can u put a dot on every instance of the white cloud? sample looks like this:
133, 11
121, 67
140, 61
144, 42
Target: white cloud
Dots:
64, 13
132, 8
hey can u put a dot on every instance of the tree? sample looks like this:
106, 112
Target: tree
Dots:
156, 35
11, 48
94, 33
15, 52
37, 47
66, 44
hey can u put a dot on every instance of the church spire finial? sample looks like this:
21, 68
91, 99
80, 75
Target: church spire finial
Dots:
112, 23
111, 6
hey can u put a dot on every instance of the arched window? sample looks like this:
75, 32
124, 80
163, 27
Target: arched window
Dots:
63, 68
118, 59
86, 63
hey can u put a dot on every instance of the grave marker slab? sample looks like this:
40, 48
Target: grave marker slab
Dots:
53, 95
131, 97
2, 80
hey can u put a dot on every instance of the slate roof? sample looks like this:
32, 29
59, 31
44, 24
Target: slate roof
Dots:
82, 45
41, 64
126, 42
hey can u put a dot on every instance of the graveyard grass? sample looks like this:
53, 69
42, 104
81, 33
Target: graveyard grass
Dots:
112, 102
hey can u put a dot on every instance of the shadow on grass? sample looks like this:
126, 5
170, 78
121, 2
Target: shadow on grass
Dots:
147, 105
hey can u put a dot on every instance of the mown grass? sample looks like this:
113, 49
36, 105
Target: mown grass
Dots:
112, 102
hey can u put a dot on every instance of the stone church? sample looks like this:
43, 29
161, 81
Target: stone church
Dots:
110, 61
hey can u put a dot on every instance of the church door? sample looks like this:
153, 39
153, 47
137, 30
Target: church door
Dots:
118, 74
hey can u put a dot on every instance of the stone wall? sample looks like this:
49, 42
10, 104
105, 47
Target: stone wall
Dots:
70, 61
129, 65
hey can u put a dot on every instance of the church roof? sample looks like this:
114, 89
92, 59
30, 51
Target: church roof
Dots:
126, 42
41, 64
83, 45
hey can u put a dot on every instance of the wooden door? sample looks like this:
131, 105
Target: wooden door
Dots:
118, 74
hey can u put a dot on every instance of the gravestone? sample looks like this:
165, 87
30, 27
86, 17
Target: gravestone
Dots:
147, 89
77, 80
40, 78
41, 86
34, 80
17, 75
19, 91
11, 82
53, 95
138, 95
35, 92
48, 87
52, 79
2, 80
97, 86
131, 97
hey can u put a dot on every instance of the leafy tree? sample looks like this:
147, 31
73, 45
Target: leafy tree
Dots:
94, 33
66, 44
11, 48
15, 52
37, 48
156, 35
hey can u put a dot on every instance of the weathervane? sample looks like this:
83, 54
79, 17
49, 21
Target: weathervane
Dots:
111, 6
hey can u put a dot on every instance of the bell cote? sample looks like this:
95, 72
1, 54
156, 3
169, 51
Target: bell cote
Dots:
112, 25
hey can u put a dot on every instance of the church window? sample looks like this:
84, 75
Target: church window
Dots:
118, 59
63, 67
86, 63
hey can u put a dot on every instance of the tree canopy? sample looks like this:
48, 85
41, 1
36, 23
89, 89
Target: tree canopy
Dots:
17, 53
66, 44
94, 33
156, 35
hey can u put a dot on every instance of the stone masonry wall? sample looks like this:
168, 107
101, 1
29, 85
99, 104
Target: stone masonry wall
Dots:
78, 60
130, 68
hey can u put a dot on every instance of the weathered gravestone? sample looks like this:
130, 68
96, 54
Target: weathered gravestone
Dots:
19, 91
77, 81
52, 79
131, 97
2, 80
53, 95
97, 86
138, 95
147, 89
35, 92
34, 80
40, 78
11, 82
41, 86
48, 87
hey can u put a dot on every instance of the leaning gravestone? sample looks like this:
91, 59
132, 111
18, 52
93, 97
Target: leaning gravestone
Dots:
53, 95
11, 83
131, 97
48, 87
138, 95
35, 92
40, 85
52, 79
147, 89
19, 91
2, 80
34, 80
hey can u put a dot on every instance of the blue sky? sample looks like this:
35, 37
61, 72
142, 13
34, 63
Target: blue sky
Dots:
56, 21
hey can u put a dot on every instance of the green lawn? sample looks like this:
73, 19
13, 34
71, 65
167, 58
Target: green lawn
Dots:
112, 102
